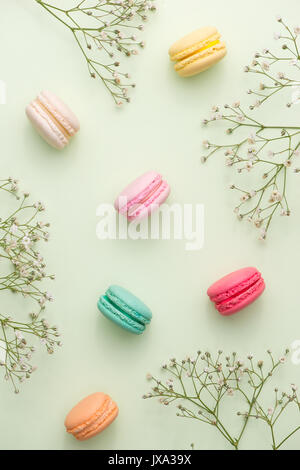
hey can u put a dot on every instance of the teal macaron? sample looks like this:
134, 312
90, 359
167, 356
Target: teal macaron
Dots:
124, 309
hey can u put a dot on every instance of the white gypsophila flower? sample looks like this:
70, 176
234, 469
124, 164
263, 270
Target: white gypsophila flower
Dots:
258, 223
23, 271
276, 196
295, 95
49, 297
26, 242
18, 335
14, 229
263, 235
251, 139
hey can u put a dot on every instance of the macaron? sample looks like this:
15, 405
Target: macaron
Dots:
91, 416
52, 119
142, 196
197, 51
235, 291
124, 309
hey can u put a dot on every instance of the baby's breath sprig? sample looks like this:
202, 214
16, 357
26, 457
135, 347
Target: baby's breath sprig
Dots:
273, 149
105, 30
22, 270
205, 386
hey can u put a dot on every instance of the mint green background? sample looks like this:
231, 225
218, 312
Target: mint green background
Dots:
160, 129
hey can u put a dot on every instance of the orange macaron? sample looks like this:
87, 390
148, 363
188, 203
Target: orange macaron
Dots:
91, 416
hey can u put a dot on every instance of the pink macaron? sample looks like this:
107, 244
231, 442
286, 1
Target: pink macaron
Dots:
142, 196
53, 119
235, 291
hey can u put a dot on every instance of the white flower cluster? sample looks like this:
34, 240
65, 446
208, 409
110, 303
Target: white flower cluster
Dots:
203, 386
19, 234
271, 148
104, 33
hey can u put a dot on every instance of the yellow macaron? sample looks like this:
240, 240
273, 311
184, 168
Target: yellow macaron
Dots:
197, 51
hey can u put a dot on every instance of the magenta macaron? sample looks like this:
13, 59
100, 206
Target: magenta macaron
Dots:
142, 196
235, 291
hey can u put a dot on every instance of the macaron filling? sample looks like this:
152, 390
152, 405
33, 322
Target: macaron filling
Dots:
196, 47
62, 122
234, 297
58, 120
126, 308
124, 313
200, 54
54, 126
136, 210
237, 288
84, 430
145, 198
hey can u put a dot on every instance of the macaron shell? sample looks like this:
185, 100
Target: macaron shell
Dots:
131, 300
84, 409
45, 126
91, 416
231, 281
135, 188
236, 290
191, 40
98, 429
242, 300
115, 315
211, 57
60, 111
157, 198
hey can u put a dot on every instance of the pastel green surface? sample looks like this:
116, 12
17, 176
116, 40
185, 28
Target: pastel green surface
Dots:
112, 147
124, 309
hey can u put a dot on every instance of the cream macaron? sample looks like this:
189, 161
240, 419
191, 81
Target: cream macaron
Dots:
52, 119
197, 51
